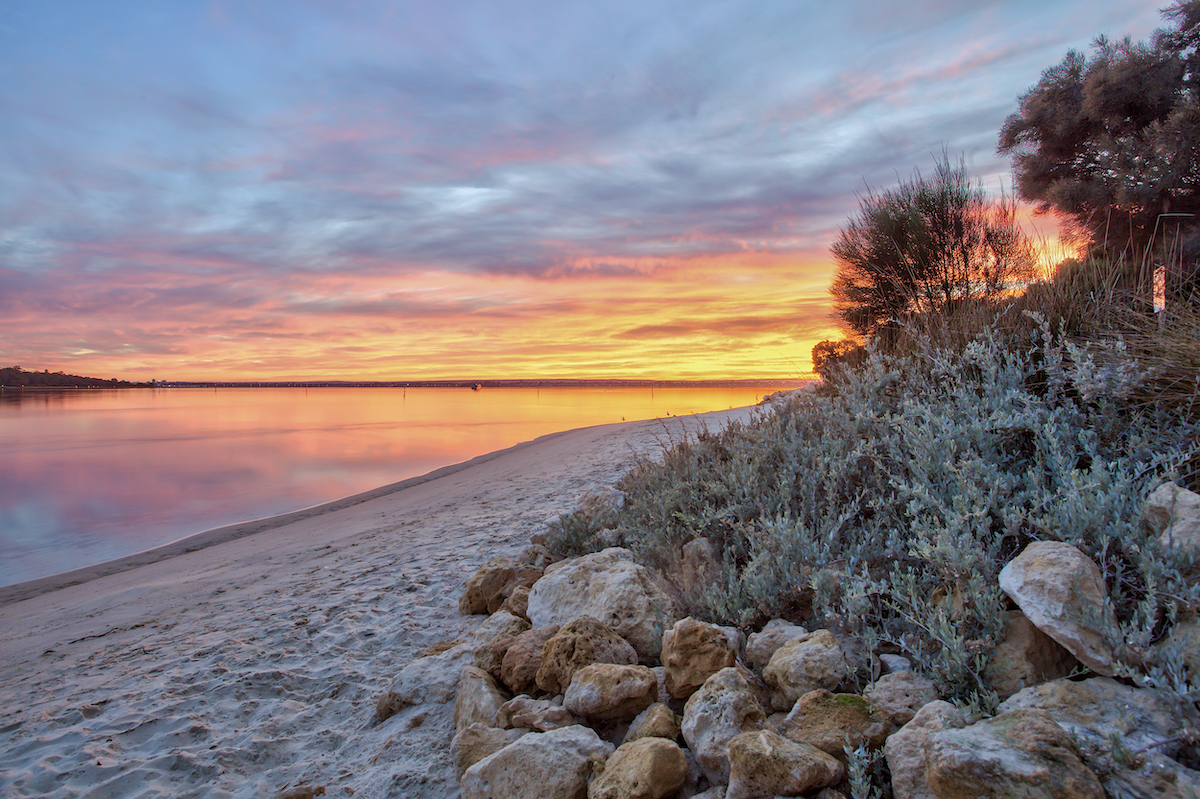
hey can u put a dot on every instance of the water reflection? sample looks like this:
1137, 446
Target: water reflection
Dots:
92, 475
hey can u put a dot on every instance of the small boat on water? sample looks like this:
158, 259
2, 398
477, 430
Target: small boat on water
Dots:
476, 386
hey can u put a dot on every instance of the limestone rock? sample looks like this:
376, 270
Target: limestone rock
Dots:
893, 664
1158, 777
487, 585
905, 750
760, 646
581, 642
533, 714
549, 765
812, 661
722, 708
763, 763
499, 627
649, 768
521, 657
1094, 710
610, 587
1174, 513
611, 692
1021, 753
478, 699
1025, 656
899, 695
433, 678
656, 721
477, 741
517, 602
1062, 592
831, 721
693, 651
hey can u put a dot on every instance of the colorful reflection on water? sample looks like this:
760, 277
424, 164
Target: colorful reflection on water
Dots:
87, 476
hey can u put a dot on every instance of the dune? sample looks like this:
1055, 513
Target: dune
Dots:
247, 660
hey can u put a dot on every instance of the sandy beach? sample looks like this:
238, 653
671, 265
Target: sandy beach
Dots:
248, 660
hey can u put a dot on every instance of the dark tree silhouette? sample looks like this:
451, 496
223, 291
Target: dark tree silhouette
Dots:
925, 247
1113, 141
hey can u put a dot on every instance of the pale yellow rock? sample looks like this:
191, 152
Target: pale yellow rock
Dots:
763, 764
610, 691
812, 661
648, 768
693, 651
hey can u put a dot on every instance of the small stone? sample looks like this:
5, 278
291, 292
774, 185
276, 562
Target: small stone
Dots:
548, 764
722, 708
905, 750
487, 585
762, 763
649, 768
521, 657
580, 643
812, 661
693, 651
762, 645
656, 721
1062, 592
1174, 514
533, 714
477, 741
898, 696
478, 700
611, 692
831, 722
517, 602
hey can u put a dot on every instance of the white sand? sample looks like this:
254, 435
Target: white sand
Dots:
253, 663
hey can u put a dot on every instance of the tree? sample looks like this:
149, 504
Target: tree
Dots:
1113, 141
830, 358
925, 247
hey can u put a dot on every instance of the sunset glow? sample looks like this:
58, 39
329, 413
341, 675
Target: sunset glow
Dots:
276, 191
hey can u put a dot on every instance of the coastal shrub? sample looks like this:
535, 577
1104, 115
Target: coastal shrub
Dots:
887, 506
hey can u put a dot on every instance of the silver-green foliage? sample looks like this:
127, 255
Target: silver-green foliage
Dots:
889, 506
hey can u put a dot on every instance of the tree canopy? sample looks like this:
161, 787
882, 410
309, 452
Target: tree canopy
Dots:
925, 246
1113, 141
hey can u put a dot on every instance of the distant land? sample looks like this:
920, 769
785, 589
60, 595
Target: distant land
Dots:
16, 377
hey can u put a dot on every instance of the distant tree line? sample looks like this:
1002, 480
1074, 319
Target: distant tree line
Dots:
15, 376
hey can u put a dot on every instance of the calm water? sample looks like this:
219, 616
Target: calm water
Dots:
86, 476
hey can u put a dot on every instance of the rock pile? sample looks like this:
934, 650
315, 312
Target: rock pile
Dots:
593, 685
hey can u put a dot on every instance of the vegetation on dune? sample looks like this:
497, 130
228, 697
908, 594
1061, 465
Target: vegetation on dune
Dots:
974, 410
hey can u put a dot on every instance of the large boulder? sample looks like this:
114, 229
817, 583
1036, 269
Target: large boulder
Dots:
831, 722
724, 707
812, 661
693, 651
760, 646
477, 741
763, 763
478, 700
610, 587
1025, 656
1174, 514
906, 749
1097, 710
521, 657
900, 694
1061, 590
649, 768
580, 642
1022, 753
611, 692
549, 765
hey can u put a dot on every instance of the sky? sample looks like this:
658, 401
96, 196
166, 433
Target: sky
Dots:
429, 189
